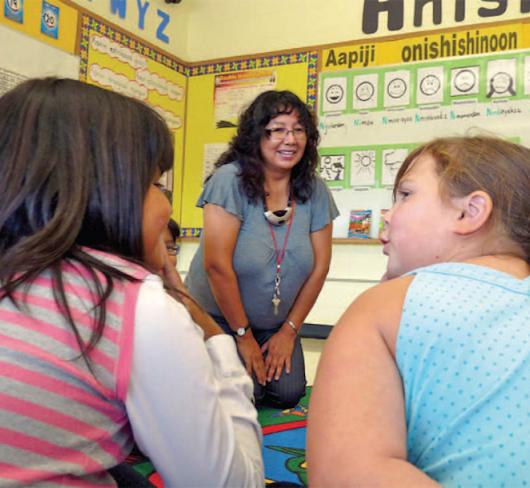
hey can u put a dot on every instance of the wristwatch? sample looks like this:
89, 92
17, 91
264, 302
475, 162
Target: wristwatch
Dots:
241, 331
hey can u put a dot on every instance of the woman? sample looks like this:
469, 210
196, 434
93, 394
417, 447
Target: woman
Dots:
266, 244
93, 351
425, 377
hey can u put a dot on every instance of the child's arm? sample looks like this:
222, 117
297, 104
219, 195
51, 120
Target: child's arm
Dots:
189, 401
357, 433
175, 287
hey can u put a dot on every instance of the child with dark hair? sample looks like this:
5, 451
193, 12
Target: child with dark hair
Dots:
93, 352
174, 229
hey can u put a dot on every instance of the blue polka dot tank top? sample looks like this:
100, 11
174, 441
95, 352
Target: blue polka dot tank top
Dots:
463, 351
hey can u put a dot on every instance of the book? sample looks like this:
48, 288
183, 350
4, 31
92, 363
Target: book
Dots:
360, 223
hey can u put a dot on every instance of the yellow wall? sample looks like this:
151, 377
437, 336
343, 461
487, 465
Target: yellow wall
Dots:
32, 21
210, 29
222, 28
151, 77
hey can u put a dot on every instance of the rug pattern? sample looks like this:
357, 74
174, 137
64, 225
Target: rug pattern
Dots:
284, 440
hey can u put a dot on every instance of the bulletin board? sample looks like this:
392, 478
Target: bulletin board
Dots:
118, 61
376, 100
217, 92
372, 115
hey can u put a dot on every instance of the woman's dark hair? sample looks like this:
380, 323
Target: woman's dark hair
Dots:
174, 229
245, 146
76, 162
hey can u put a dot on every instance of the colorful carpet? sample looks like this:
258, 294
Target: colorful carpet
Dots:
284, 436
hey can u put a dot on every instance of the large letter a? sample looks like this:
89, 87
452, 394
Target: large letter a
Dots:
371, 11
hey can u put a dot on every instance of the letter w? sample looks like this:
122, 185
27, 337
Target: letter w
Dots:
120, 6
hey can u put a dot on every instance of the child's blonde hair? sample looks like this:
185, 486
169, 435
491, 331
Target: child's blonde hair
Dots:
496, 166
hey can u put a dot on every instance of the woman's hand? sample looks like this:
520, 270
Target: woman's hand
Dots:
279, 350
249, 350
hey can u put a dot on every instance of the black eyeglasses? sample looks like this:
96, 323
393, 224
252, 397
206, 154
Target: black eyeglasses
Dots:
172, 250
280, 133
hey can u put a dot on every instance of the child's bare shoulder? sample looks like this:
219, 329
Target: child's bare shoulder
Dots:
378, 308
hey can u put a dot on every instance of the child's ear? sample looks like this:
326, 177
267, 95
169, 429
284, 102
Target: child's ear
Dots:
475, 210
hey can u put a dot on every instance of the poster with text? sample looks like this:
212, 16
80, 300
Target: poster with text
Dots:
234, 91
478, 84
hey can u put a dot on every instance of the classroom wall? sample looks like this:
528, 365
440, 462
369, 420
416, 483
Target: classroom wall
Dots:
162, 25
235, 28
34, 58
238, 27
30, 25
198, 30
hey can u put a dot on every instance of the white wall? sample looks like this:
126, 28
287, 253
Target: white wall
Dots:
29, 57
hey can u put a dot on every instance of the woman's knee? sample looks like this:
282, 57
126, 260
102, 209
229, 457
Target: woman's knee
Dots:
290, 400
286, 394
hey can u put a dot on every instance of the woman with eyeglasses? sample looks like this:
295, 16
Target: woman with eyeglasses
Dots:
266, 244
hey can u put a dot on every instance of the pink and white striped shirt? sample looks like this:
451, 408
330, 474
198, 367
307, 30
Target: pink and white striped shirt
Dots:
58, 422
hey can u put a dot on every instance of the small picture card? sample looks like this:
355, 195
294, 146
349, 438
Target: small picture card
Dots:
332, 167
49, 24
14, 10
360, 223
334, 96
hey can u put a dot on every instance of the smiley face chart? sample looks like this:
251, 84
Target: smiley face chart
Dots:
371, 117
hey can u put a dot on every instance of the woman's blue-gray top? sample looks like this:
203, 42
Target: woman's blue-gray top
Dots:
254, 259
463, 351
